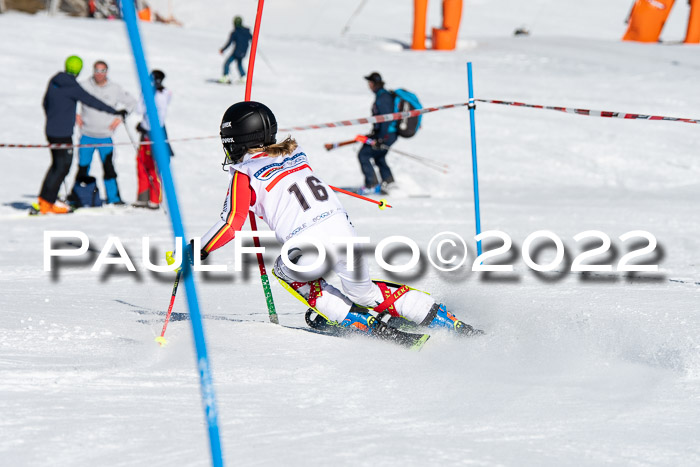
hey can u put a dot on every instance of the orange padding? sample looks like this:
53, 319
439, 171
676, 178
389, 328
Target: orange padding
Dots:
693, 34
445, 38
647, 20
420, 13
145, 14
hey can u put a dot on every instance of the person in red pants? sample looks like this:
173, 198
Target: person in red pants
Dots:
149, 184
149, 191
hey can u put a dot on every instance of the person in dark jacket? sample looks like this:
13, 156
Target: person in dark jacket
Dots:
240, 39
60, 100
382, 137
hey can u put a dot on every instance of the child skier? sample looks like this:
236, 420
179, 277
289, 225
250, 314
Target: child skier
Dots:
240, 39
149, 185
276, 182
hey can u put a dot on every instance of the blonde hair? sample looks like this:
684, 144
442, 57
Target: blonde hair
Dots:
284, 148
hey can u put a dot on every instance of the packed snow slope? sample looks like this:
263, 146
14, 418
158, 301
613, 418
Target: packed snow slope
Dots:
596, 369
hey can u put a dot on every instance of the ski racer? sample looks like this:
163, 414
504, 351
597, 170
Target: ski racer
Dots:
276, 181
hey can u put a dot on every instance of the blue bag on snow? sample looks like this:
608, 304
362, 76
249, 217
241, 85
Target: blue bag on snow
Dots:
85, 193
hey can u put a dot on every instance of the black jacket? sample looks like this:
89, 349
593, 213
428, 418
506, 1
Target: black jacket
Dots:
240, 38
62, 95
383, 104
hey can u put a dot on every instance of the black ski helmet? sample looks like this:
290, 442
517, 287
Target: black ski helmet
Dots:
157, 77
246, 125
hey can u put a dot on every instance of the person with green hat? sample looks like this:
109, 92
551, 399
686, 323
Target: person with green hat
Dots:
240, 39
62, 95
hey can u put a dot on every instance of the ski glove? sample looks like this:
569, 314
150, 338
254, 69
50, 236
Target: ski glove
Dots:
189, 256
122, 113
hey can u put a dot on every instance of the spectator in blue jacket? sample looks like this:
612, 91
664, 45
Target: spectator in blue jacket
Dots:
62, 96
382, 137
240, 39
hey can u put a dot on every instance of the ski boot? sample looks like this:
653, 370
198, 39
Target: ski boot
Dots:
439, 317
58, 207
370, 190
357, 320
360, 321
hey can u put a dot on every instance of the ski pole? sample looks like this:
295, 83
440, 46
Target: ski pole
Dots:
352, 17
161, 340
330, 146
267, 62
424, 160
364, 139
263, 274
381, 203
367, 140
128, 133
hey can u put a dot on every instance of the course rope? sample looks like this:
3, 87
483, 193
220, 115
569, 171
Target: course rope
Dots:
391, 117
593, 113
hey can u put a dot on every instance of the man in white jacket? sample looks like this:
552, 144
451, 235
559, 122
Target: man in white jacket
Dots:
97, 127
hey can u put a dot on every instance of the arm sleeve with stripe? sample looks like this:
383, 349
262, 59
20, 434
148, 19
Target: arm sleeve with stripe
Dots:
233, 216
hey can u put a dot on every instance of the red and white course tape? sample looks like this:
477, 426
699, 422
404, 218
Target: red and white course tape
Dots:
396, 116
593, 113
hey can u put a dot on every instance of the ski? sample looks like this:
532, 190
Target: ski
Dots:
364, 191
378, 190
226, 83
383, 330
105, 210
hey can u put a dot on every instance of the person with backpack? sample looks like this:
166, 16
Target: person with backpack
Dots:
149, 184
276, 182
97, 127
240, 39
62, 96
381, 138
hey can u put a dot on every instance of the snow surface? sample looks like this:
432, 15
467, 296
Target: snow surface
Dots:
601, 369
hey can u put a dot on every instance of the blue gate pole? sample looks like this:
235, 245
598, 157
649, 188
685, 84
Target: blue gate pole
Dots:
475, 172
163, 162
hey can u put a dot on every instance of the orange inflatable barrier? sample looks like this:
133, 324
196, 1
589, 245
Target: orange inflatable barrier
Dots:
145, 14
693, 34
445, 38
420, 14
647, 20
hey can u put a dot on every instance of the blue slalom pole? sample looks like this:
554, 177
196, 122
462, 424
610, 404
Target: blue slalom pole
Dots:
475, 172
163, 162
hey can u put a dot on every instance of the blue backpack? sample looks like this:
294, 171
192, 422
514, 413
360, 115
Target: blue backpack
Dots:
404, 101
85, 193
